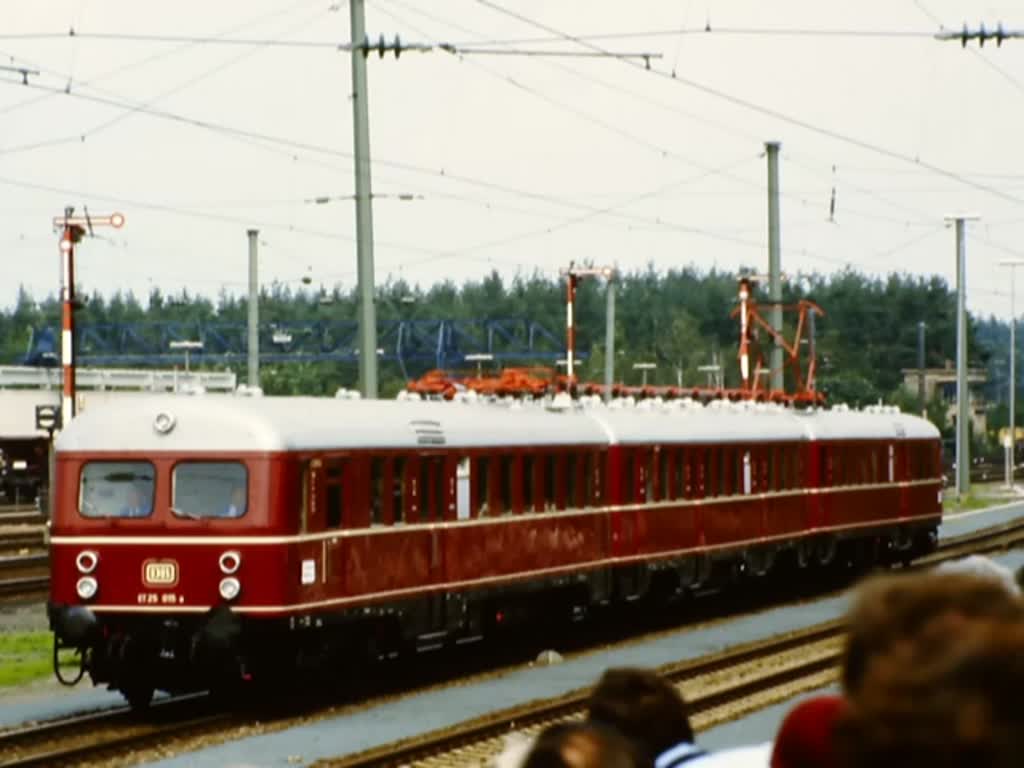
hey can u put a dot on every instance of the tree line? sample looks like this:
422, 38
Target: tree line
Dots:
678, 319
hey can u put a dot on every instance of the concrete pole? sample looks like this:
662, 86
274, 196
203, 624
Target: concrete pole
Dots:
774, 263
609, 339
1011, 458
254, 313
920, 369
364, 210
67, 333
963, 448
570, 327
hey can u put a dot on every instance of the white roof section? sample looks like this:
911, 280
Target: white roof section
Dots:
218, 423
674, 422
873, 423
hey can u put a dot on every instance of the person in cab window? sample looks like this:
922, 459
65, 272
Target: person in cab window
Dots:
236, 507
137, 504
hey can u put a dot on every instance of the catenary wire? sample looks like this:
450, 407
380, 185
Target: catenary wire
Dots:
768, 111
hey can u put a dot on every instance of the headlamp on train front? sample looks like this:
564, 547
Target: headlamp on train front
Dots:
229, 588
87, 561
87, 587
230, 562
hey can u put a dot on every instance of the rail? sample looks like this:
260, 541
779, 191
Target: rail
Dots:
761, 673
757, 674
16, 541
93, 735
803, 659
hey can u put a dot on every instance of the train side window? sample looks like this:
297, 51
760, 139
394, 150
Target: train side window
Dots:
648, 467
529, 481
784, 468
667, 471
561, 480
550, 469
591, 495
440, 484
482, 484
504, 501
425, 488
747, 472
700, 473
689, 473
398, 490
376, 491
628, 476
463, 487
539, 483
333, 505
572, 491
334, 472
679, 473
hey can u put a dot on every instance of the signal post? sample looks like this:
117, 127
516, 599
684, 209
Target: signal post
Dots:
73, 228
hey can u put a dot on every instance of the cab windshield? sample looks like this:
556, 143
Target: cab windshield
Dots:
116, 489
209, 489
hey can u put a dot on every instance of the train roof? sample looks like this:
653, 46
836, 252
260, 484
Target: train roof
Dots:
221, 423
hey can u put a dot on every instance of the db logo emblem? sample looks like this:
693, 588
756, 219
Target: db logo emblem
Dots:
160, 573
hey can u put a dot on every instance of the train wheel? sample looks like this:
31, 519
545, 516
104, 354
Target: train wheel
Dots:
825, 551
138, 695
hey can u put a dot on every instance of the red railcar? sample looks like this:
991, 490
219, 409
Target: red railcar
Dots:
196, 538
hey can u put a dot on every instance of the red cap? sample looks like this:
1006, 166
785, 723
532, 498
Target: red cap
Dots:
805, 736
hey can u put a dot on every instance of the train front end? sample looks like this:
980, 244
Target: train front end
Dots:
159, 544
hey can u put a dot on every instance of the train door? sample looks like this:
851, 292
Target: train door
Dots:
463, 485
309, 558
435, 488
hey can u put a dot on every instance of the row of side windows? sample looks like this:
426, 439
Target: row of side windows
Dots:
427, 488
386, 490
531, 482
668, 473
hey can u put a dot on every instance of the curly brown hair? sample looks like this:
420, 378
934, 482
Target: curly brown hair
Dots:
946, 698
892, 608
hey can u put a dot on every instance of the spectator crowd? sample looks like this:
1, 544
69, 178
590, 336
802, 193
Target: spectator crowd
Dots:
932, 668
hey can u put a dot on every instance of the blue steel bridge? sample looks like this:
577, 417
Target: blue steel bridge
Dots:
442, 343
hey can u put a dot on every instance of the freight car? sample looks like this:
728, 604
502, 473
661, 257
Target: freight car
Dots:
204, 540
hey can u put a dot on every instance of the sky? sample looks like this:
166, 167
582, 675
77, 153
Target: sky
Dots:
198, 121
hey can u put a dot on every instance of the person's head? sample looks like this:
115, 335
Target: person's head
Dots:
949, 697
136, 495
985, 567
642, 706
806, 736
238, 496
890, 609
582, 745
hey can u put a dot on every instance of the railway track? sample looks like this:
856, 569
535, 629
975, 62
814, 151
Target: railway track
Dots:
719, 688
107, 733
17, 540
24, 577
21, 514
